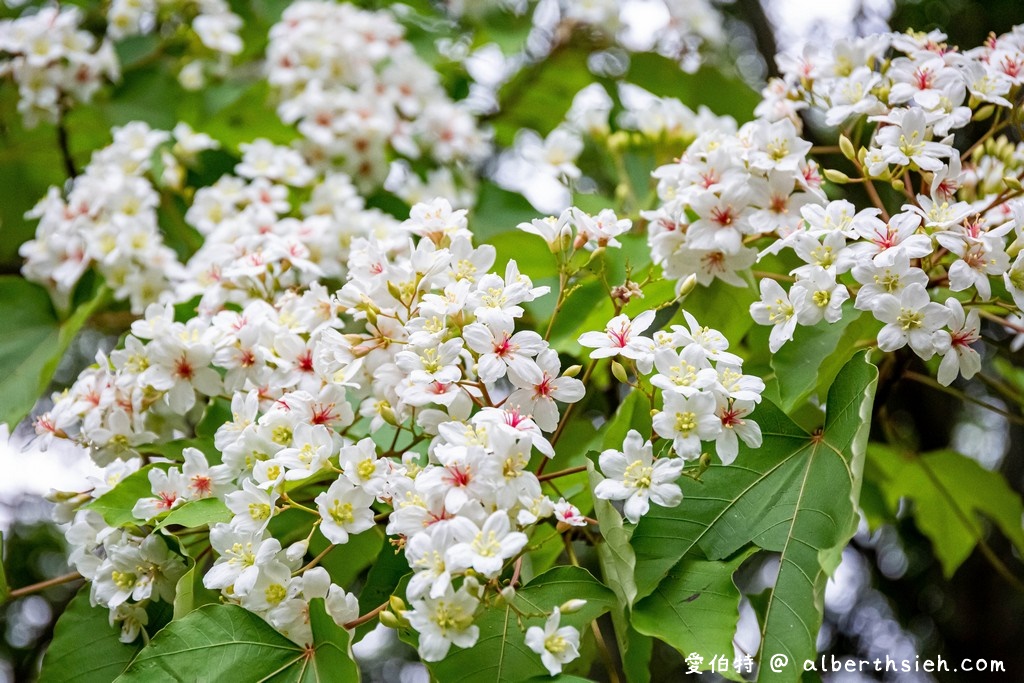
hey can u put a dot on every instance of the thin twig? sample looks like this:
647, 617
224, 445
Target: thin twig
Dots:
43, 585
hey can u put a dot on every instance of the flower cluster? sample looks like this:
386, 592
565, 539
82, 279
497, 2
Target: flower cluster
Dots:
728, 189
53, 61
706, 397
953, 228
109, 219
359, 94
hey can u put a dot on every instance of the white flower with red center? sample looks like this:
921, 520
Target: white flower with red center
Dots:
622, 336
567, 513
556, 646
600, 230
633, 475
483, 548
881, 240
170, 489
960, 358
722, 220
499, 348
539, 386
511, 419
733, 415
465, 474
181, 369
204, 481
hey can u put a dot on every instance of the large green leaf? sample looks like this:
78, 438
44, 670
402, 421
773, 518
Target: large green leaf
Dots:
501, 653
85, 647
227, 643
32, 342
695, 609
796, 495
810, 362
951, 495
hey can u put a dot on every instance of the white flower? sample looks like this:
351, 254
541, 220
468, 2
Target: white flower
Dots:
914, 319
622, 337
442, 621
960, 358
539, 388
556, 646
484, 549
779, 309
732, 414
687, 420
634, 476
345, 509
567, 513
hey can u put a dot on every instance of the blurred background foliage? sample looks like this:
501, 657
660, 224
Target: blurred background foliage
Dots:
890, 596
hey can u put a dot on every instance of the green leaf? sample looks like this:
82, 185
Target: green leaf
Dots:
116, 505
721, 93
227, 642
85, 647
618, 561
501, 654
810, 362
32, 342
190, 593
695, 609
951, 495
197, 513
381, 583
346, 562
795, 495
497, 210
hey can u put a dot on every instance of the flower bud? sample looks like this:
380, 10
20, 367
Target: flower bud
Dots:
390, 619
688, 285
837, 177
619, 372
508, 594
1012, 183
396, 604
898, 185
572, 371
570, 606
846, 147
984, 113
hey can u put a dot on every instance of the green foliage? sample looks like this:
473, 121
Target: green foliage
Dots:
951, 495
197, 513
226, 642
723, 94
501, 654
116, 505
32, 342
796, 495
695, 608
86, 648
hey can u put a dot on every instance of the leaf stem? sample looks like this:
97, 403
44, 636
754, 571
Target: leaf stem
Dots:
366, 617
43, 585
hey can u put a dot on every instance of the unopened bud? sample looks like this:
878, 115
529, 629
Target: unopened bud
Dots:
508, 594
570, 606
388, 413
705, 461
898, 185
394, 290
572, 371
296, 551
846, 147
390, 619
619, 372
1012, 183
688, 285
396, 604
618, 141
837, 177
984, 113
